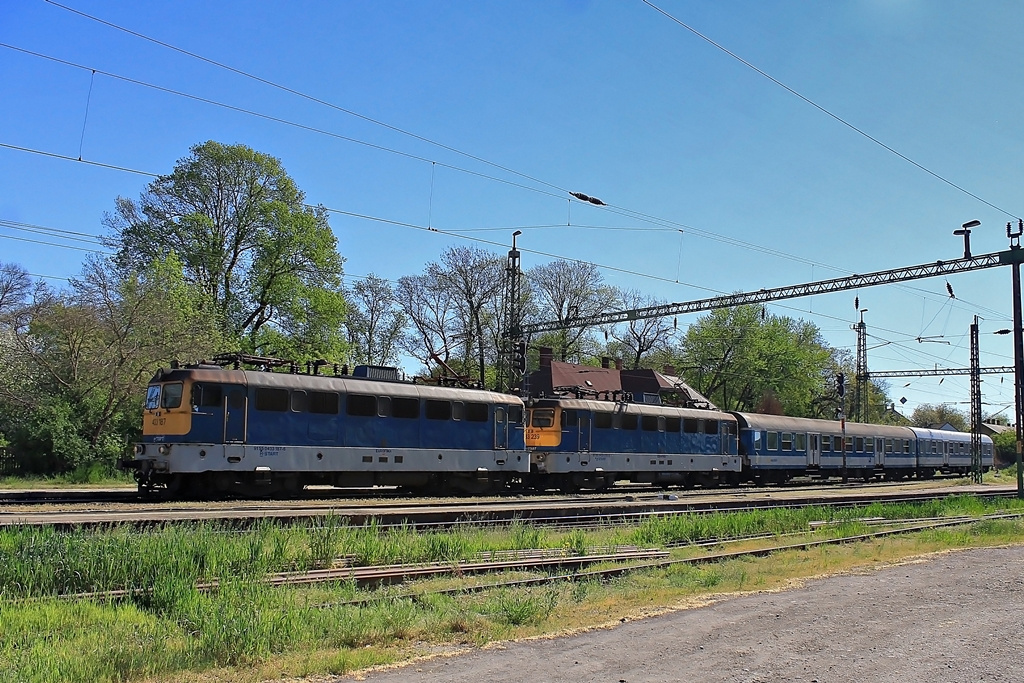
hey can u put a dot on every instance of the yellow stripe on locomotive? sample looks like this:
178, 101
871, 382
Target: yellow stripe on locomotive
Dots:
167, 410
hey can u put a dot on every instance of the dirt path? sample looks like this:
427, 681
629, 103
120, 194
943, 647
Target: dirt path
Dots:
955, 617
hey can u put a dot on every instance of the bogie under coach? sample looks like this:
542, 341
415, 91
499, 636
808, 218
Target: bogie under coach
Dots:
210, 431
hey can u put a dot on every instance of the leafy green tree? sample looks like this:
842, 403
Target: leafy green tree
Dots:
82, 357
937, 414
742, 359
239, 226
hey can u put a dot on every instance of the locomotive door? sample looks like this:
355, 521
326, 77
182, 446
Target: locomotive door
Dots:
584, 427
500, 428
235, 404
814, 449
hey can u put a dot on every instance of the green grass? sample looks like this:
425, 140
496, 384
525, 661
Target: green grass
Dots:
169, 627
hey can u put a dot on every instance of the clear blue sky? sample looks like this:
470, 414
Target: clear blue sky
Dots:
608, 98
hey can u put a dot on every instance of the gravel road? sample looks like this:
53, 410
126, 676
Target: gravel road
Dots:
951, 617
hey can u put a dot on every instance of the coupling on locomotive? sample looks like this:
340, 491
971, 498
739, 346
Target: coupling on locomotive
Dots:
249, 426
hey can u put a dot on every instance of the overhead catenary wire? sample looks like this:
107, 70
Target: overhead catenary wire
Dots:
825, 111
668, 225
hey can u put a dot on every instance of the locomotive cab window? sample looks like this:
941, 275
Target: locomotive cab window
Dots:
272, 399
172, 395
153, 397
207, 395
542, 417
515, 414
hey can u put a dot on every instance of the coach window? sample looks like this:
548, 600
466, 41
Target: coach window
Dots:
172, 395
602, 420
757, 440
849, 444
323, 402
407, 408
630, 421
361, 405
859, 445
649, 423
691, 426
906, 446
300, 401
272, 399
826, 443
801, 442
888, 445
773, 441
870, 443
437, 410
383, 406
787, 441
672, 424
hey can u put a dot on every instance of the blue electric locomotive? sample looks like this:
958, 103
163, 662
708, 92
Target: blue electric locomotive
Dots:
210, 431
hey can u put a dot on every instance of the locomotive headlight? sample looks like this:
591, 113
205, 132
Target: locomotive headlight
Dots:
164, 450
140, 449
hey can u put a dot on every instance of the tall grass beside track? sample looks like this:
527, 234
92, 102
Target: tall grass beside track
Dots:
247, 630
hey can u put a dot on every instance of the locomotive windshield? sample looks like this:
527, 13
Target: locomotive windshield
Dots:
153, 397
542, 417
172, 395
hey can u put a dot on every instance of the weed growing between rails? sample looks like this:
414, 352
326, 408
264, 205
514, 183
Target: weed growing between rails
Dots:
251, 630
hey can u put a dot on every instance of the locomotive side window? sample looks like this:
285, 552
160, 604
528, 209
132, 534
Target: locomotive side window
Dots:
691, 426
437, 410
602, 420
710, 426
207, 395
629, 421
361, 405
406, 408
300, 401
672, 424
773, 441
272, 399
383, 406
649, 423
172, 395
153, 397
542, 417
323, 402
458, 410
476, 412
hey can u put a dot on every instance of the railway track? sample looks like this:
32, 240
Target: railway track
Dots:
559, 511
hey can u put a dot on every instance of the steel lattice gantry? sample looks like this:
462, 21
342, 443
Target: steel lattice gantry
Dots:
841, 284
